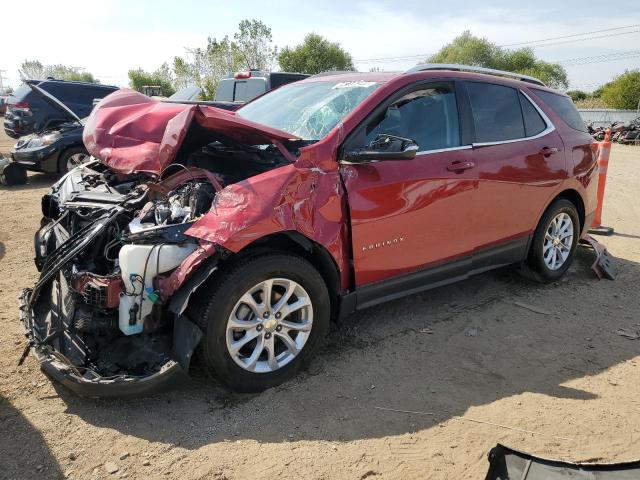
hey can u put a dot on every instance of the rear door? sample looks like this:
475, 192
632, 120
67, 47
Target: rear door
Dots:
407, 215
520, 162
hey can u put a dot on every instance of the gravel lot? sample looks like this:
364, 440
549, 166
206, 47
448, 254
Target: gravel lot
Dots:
470, 351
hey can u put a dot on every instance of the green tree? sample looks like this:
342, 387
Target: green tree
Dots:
623, 92
31, 69
314, 55
183, 73
251, 47
162, 77
35, 70
577, 95
62, 72
468, 49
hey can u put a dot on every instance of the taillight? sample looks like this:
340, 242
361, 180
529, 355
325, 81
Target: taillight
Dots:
21, 109
241, 75
20, 106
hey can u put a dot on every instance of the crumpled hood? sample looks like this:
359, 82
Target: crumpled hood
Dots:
130, 132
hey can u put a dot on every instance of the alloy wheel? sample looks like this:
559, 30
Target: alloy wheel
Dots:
558, 241
269, 326
76, 160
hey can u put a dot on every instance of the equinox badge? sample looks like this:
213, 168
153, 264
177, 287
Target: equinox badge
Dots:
386, 243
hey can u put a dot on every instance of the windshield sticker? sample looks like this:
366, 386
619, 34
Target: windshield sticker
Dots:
358, 84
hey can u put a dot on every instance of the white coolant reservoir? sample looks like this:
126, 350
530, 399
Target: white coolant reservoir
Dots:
139, 265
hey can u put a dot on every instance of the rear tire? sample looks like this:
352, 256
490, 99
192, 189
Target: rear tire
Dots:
554, 242
281, 343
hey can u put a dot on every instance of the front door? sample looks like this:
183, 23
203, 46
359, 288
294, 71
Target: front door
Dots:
407, 215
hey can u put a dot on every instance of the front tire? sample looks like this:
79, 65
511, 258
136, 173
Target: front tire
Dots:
554, 242
72, 158
263, 320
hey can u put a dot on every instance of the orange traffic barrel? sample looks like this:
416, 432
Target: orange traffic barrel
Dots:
604, 150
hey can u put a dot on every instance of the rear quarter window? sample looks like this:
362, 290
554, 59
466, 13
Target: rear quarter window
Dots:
20, 94
533, 122
563, 107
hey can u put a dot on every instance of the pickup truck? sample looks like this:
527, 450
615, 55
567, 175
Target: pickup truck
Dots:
235, 90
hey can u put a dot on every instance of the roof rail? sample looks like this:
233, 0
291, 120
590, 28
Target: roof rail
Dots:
334, 72
421, 67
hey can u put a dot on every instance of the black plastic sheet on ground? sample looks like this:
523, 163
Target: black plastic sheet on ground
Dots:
508, 464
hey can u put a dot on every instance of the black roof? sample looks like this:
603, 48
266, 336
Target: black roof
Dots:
70, 82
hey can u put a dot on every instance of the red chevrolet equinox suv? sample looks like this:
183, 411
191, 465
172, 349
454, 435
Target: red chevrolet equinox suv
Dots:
238, 236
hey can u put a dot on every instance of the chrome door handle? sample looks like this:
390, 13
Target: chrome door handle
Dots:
460, 166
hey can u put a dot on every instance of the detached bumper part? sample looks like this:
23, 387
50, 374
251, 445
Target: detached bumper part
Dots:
506, 463
605, 264
172, 374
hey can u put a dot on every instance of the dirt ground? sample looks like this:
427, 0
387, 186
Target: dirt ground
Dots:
471, 351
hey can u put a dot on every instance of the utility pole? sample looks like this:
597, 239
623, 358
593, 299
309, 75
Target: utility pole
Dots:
2, 77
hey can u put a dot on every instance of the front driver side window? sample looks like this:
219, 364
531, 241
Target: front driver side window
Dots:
428, 116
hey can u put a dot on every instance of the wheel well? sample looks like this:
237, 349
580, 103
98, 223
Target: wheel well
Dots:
575, 198
294, 242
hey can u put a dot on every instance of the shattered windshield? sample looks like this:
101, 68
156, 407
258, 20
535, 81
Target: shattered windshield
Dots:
308, 110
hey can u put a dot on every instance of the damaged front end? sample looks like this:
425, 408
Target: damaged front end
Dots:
127, 240
98, 318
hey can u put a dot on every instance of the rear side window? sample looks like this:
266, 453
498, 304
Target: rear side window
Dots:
564, 108
428, 116
533, 122
249, 89
497, 114
224, 92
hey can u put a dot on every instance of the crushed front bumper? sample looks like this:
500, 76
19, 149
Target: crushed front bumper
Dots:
48, 313
172, 374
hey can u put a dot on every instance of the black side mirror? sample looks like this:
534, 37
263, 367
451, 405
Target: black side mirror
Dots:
384, 147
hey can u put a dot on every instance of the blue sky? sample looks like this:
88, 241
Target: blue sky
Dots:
109, 38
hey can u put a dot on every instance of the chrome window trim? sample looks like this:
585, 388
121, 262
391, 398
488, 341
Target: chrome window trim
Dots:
423, 152
550, 126
440, 150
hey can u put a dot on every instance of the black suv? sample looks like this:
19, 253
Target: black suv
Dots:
28, 112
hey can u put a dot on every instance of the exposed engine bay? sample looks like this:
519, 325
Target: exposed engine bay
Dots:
99, 315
